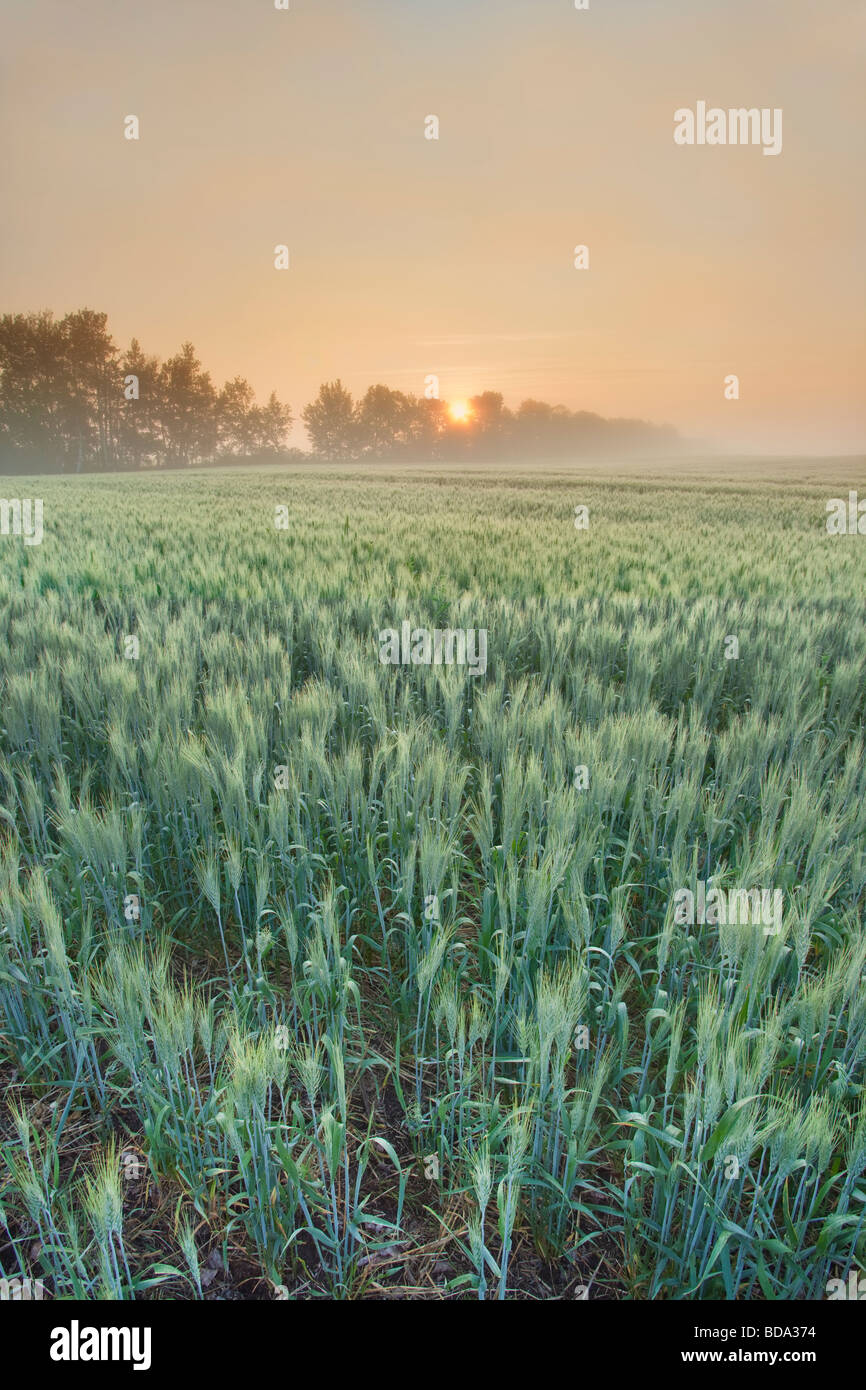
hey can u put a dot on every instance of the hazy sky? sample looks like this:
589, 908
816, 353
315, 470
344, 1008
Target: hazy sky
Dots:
455, 256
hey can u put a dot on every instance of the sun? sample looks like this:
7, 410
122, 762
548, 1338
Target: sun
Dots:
459, 411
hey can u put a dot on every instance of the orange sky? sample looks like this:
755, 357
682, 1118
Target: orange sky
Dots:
454, 257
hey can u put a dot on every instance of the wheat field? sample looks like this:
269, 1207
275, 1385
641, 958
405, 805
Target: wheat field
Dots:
326, 977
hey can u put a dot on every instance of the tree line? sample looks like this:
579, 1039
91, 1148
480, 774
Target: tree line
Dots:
390, 424
71, 400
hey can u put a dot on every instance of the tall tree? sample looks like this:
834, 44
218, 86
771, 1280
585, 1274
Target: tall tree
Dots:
188, 417
273, 422
330, 421
138, 429
246, 429
491, 422
33, 391
381, 419
93, 395
426, 426
235, 420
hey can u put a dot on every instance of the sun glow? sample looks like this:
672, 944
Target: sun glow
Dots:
459, 411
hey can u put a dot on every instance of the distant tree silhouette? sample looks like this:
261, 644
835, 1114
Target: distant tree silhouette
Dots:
491, 422
273, 421
138, 432
382, 422
187, 409
331, 423
427, 427
235, 424
33, 389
